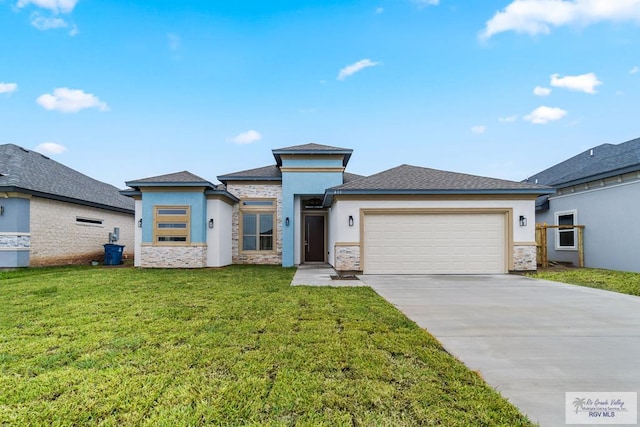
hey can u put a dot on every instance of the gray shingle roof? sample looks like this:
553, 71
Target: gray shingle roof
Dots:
311, 149
349, 177
266, 173
27, 171
270, 173
177, 179
184, 177
596, 163
407, 178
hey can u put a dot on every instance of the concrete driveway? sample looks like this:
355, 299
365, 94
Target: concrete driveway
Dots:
532, 340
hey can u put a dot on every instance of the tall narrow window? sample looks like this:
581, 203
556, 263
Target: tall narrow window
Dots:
171, 225
258, 225
565, 236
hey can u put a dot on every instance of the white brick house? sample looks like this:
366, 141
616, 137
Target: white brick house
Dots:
53, 215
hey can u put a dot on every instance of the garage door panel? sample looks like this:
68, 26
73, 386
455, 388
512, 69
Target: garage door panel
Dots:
434, 243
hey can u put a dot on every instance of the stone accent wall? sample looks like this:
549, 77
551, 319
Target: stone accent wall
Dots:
57, 239
524, 258
347, 258
174, 256
248, 191
15, 241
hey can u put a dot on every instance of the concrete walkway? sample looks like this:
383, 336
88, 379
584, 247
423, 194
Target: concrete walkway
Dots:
320, 275
532, 340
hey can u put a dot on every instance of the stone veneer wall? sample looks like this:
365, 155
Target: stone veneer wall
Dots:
194, 256
57, 239
256, 191
347, 258
15, 241
525, 258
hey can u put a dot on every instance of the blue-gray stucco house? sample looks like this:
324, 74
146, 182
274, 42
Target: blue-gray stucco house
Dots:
600, 189
306, 208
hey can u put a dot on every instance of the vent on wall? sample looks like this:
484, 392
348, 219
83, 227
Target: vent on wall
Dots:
89, 221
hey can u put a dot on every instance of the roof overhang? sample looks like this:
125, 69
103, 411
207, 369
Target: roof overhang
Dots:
222, 194
345, 153
14, 189
209, 192
227, 178
138, 184
531, 192
604, 175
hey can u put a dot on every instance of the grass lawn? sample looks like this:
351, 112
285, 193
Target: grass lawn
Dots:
234, 346
610, 280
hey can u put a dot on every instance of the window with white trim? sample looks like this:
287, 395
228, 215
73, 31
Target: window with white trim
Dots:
171, 225
566, 238
257, 225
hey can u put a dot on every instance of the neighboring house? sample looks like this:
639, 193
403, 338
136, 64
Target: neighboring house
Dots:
306, 209
53, 215
600, 189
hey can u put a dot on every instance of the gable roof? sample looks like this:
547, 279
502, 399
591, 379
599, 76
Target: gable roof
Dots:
310, 149
29, 172
407, 179
599, 162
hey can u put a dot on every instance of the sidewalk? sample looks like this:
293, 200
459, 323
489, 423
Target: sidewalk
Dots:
320, 275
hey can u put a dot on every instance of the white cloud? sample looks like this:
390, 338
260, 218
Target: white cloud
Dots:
379, 9
582, 83
543, 115
478, 130
508, 119
42, 23
68, 100
634, 70
539, 16
50, 148
247, 137
541, 91
56, 6
426, 2
8, 87
355, 67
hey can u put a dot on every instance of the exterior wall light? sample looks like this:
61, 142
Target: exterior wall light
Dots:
1, 210
523, 221
140, 223
350, 220
286, 221
211, 223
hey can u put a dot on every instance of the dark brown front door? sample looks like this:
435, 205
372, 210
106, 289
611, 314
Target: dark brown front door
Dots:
314, 238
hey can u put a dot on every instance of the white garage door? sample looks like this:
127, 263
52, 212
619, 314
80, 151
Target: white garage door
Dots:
447, 243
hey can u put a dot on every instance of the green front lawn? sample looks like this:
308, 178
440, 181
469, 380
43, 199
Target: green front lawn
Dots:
234, 346
609, 280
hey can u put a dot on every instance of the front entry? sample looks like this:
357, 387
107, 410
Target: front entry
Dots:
314, 239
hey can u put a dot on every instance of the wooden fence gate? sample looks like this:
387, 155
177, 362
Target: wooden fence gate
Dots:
541, 242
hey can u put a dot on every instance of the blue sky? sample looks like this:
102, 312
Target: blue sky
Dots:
126, 90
